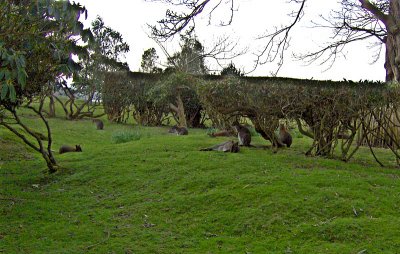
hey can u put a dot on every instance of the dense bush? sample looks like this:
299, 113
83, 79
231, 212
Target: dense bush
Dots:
176, 92
334, 114
331, 113
124, 92
151, 97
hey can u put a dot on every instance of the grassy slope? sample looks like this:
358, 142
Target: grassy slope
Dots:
160, 194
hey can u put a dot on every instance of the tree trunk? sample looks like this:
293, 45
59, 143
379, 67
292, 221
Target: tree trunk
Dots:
195, 119
50, 161
52, 107
24, 130
180, 110
392, 62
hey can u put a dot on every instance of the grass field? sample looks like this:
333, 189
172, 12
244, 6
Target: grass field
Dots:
158, 194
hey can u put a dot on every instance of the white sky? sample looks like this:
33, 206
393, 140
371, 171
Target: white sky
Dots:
253, 18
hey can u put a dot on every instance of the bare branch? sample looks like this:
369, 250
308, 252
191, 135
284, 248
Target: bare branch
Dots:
352, 23
175, 22
356, 20
278, 41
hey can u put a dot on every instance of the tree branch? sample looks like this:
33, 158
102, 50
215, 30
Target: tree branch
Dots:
366, 4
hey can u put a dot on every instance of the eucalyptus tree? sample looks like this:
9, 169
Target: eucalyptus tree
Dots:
37, 41
106, 53
191, 57
149, 61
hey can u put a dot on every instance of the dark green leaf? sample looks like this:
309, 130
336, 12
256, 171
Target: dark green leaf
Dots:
7, 74
13, 94
4, 90
22, 77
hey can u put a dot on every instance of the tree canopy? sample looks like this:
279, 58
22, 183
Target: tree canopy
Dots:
37, 41
191, 58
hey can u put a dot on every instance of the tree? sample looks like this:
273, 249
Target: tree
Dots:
106, 53
109, 42
177, 93
357, 20
191, 58
231, 70
149, 61
37, 41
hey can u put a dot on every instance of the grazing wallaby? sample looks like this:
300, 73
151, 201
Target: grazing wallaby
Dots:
67, 149
178, 130
223, 133
243, 133
284, 136
99, 123
228, 146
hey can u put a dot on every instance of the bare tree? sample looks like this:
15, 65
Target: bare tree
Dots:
352, 23
356, 20
222, 49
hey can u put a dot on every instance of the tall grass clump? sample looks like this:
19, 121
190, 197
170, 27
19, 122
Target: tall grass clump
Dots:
125, 136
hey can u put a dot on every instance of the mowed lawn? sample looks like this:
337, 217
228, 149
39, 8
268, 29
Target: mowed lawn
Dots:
159, 194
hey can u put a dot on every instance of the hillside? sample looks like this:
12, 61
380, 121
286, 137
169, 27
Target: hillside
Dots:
159, 194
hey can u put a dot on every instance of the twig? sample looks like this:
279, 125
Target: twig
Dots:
105, 240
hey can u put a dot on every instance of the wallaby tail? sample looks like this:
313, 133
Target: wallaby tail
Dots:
206, 149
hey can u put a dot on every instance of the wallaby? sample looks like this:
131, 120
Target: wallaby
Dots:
67, 149
228, 146
223, 133
178, 130
243, 133
99, 124
284, 136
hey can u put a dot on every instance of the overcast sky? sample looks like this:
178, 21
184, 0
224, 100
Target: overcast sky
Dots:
253, 18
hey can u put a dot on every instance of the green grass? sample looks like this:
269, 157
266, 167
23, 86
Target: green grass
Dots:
125, 136
159, 194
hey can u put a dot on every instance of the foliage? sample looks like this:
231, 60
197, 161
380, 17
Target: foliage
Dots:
164, 92
106, 52
30, 41
232, 71
149, 61
37, 41
13, 67
170, 90
126, 91
333, 114
150, 97
109, 42
191, 57
327, 108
